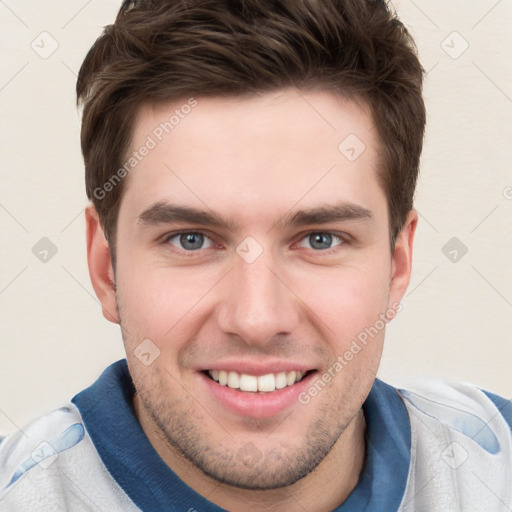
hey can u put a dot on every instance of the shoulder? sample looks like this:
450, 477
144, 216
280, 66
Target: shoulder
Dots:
461, 447
39, 442
51, 462
459, 405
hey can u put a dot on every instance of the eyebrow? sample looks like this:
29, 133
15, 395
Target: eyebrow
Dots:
325, 214
166, 213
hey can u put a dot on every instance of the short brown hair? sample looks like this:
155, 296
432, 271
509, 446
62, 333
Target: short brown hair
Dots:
163, 50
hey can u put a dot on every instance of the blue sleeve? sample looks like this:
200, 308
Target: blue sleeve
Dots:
503, 405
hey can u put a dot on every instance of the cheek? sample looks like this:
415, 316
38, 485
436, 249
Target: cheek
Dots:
160, 302
346, 300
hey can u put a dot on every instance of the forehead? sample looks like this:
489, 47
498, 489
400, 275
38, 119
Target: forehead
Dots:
259, 154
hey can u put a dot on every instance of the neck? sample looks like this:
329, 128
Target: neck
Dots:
324, 489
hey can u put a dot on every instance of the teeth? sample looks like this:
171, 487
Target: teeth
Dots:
280, 380
264, 383
248, 382
233, 380
267, 383
290, 378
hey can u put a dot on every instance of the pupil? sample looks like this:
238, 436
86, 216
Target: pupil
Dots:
191, 240
316, 240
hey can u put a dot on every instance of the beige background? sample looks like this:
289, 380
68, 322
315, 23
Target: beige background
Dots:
457, 315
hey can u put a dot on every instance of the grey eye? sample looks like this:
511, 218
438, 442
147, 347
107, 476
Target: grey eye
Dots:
191, 241
321, 241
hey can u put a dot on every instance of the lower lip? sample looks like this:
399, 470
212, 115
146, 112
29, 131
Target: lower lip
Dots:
257, 405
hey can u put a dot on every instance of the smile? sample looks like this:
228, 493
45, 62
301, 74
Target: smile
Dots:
250, 383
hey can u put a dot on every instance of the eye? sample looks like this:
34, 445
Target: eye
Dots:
189, 240
320, 241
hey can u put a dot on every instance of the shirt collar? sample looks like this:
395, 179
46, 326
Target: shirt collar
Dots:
106, 409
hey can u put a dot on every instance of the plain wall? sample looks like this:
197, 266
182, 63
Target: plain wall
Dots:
456, 315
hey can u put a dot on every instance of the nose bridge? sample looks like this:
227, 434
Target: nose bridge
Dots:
257, 304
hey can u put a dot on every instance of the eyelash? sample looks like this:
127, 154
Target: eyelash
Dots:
191, 254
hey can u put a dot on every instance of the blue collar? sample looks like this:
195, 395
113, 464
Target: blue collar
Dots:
138, 469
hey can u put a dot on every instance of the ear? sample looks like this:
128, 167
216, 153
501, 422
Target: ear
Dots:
100, 265
401, 260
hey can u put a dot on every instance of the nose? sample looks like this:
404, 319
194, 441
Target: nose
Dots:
257, 301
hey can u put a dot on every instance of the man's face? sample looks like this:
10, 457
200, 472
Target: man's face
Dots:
270, 293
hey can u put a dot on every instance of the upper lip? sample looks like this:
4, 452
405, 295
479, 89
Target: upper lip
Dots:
258, 368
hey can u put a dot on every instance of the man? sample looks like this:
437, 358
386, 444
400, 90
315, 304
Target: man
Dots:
251, 168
